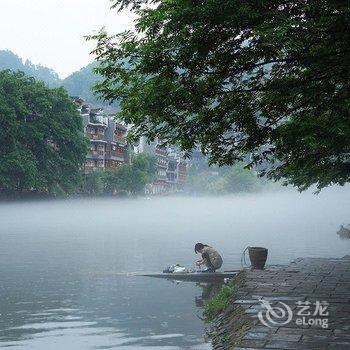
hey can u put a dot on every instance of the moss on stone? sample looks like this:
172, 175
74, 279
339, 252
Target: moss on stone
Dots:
220, 302
229, 323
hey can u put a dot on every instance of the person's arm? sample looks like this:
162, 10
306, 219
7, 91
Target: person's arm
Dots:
199, 262
203, 261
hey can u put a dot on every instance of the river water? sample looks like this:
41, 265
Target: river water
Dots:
64, 264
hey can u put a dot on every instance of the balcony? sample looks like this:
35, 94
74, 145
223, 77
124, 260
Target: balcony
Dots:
116, 156
162, 165
161, 177
171, 180
120, 139
97, 137
99, 154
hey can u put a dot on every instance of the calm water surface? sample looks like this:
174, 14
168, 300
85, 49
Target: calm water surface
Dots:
64, 264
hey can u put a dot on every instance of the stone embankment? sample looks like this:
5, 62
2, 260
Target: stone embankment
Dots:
305, 305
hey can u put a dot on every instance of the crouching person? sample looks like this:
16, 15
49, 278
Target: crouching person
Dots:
210, 257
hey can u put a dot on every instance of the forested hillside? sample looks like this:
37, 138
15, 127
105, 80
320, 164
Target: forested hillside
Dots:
77, 84
9, 60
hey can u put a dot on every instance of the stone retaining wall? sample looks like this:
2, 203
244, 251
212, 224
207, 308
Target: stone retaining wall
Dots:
317, 287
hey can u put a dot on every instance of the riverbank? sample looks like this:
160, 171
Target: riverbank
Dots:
305, 305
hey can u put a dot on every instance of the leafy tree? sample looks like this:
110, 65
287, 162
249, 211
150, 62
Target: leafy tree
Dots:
130, 178
267, 78
92, 183
145, 163
239, 179
204, 179
41, 136
143, 169
116, 180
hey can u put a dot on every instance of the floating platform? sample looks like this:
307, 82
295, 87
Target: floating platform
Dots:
194, 276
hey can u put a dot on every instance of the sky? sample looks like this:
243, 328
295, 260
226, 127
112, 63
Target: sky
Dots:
50, 32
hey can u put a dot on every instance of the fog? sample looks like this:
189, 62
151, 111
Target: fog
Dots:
73, 255
146, 234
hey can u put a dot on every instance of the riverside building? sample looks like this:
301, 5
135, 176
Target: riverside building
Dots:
109, 149
171, 169
108, 146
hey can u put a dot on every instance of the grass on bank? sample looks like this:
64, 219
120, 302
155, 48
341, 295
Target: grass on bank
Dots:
220, 302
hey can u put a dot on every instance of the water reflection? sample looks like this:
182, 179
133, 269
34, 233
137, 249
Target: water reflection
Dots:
209, 290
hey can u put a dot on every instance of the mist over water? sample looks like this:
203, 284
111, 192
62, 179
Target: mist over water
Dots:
62, 262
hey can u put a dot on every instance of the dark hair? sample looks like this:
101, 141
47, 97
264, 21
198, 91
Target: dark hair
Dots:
198, 247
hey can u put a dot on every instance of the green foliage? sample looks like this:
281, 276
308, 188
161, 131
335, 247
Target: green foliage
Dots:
239, 179
79, 83
92, 183
117, 180
41, 134
129, 179
203, 179
8, 60
220, 302
146, 164
267, 78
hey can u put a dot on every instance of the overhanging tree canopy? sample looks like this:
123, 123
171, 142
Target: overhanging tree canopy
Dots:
266, 78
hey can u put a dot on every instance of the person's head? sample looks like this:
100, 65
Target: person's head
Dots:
199, 247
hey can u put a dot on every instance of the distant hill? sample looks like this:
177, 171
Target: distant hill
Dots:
77, 84
9, 60
80, 84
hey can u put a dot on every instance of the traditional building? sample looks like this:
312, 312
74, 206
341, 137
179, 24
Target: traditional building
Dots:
109, 149
116, 147
171, 167
182, 174
160, 185
177, 170
172, 173
108, 146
